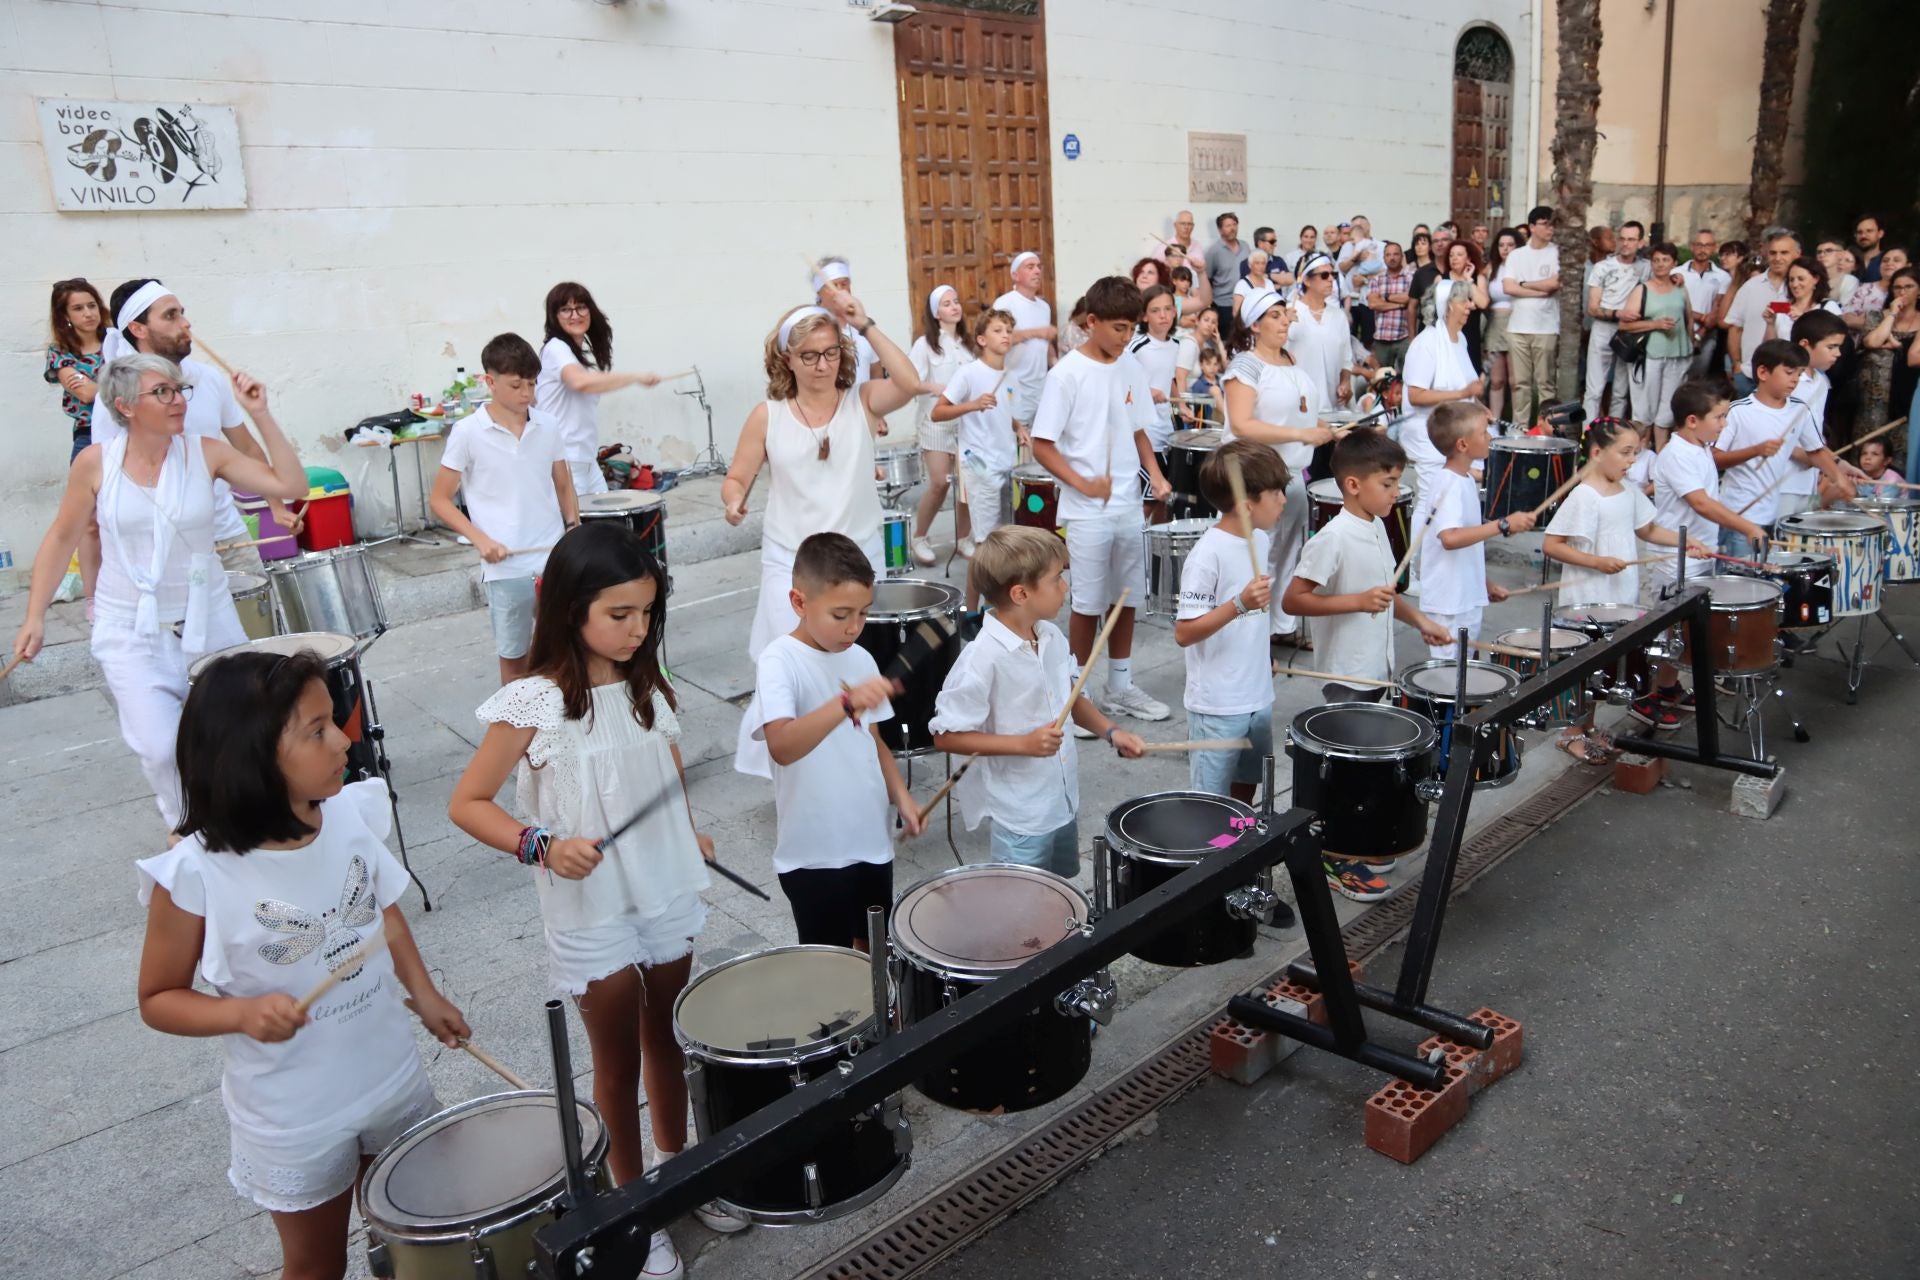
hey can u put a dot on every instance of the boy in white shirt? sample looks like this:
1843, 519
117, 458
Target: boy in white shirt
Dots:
1001, 700
1220, 624
512, 467
1454, 587
1823, 336
1763, 432
817, 703
977, 396
1090, 432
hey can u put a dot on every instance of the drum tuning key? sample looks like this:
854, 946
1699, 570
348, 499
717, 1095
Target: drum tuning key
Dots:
1091, 997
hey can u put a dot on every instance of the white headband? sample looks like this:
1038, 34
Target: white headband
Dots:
829, 273
786, 326
1258, 305
114, 343
933, 299
1020, 258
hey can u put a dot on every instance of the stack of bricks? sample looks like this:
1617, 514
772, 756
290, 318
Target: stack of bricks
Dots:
1403, 1120
1243, 1054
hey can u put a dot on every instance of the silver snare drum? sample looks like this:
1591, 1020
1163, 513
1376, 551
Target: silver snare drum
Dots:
253, 601
330, 591
1167, 548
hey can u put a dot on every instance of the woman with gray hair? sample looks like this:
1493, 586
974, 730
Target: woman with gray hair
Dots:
161, 600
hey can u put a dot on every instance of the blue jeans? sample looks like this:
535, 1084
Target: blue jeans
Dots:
1057, 851
1742, 385
1738, 544
1913, 438
1215, 771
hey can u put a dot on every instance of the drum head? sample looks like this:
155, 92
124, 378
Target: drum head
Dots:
1439, 679
1562, 640
1531, 444
1176, 826
1797, 562
1883, 505
906, 599
777, 1004
330, 647
1202, 438
1608, 616
1816, 523
619, 502
1327, 490
1732, 592
245, 584
980, 921
481, 1160
1365, 729
1187, 531
1033, 473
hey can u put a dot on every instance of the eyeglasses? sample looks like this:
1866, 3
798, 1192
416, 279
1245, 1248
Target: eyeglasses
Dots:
576, 310
811, 358
166, 393
1319, 275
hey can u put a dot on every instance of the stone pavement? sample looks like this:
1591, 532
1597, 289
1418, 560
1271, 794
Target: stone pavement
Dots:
112, 1136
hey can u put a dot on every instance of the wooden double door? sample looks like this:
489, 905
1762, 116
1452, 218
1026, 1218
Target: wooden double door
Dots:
974, 148
1482, 151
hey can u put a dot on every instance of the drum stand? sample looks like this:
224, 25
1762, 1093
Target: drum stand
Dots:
946, 802
376, 734
708, 460
1749, 695
1858, 659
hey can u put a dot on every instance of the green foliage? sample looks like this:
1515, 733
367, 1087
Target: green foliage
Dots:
1863, 120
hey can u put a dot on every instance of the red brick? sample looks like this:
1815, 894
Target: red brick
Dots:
1638, 775
1483, 1066
1403, 1120
1303, 995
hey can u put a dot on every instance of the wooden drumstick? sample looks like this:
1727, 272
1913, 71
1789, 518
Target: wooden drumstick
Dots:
1559, 493
1413, 544
372, 947
1202, 744
11, 665
1487, 646
1871, 435
1356, 681
485, 1059
946, 789
684, 373
200, 344
1099, 647
1238, 483
1788, 471
1555, 585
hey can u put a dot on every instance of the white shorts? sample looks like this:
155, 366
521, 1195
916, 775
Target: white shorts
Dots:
510, 607
938, 437
986, 497
291, 1173
1107, 554
578, 957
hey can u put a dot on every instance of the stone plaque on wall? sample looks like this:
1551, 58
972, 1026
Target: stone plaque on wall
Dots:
109, 157
1217, 168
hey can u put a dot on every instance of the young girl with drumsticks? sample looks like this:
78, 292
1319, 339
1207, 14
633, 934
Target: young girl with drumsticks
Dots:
593, 737
283, 898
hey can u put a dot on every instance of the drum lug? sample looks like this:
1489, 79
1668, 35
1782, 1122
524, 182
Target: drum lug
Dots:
947, 992
483, 1268
1092, 997
1252, 902
379, 1261
1430, 790
1326, 767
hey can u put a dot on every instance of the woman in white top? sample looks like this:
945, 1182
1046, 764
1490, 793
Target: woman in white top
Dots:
1494, 346
1255, 281
161, 600
814, 431
1439, 368
1271, 400
1320, 341
576, 369
937, 355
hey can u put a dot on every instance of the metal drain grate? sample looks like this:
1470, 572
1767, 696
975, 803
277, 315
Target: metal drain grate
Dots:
971, 1203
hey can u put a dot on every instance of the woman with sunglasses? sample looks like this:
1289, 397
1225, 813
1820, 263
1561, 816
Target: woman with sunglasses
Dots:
576, 369
1320, 341
161, 600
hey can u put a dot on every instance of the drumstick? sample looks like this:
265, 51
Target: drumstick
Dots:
684, 373
11, 665
1099, 647
525, 551
201, 344
1202, 744
1357, 681
486, 1059
1559, 493
1555, 585
933, 801
1238, 483
1413, 544
1871, 435
347, 968
713, 864
998, 382
1487, 646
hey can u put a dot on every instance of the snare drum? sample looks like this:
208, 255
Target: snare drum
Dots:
1745, 623
253, 601
1524, 471
959, 930
1902, 516
1167, 548
1357, 765
898, 469
1856, 543
1431, 688
1036, 497
330, 591
1634, 675
462, 1192
898, 605
344, 684
759, 1027
893, 537
1153, 839
1569, 706
644, 513
1186, 450
1806, 587
1324, 503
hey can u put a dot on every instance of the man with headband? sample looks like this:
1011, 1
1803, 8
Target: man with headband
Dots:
149, 318
1033, 335
832, 282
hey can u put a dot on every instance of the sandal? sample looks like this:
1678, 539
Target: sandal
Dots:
1585, 750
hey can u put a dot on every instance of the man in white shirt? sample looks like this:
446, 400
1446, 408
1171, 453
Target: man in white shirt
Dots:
1749, 318
1706, 284
1179, 253
1611, 282
1033, 334
1532, 279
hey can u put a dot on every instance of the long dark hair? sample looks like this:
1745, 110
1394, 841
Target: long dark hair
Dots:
599, 332
228, 749
932, 331
1414, 242
597, 555
65, 336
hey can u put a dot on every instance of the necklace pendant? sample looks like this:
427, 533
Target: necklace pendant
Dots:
826, 448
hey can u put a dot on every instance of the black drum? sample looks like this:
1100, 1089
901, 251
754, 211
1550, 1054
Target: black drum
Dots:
1153, 839
758, 1027
899, 604
345, 685
1358, 765
959, 930
1186, 450
1432, 686
644, 513
1806, 587
1524, 471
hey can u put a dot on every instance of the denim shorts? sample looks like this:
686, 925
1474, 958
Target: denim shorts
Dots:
510, 604
1057, 851
1213, 771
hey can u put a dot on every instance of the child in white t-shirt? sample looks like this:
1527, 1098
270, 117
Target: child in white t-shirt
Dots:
1002, 698
977, 397
1169, 359
1221, 622
281, 880
816, 708
1823, 336
1765, 433
1454, 587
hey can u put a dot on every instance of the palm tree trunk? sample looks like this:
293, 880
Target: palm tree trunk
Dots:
1779, 58
1576, 106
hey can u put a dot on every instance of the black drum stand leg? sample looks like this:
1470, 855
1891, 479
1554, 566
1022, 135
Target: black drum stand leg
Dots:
377, 734
1800, 733
1893, 633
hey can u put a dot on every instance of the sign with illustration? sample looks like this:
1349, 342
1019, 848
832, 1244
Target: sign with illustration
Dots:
109, 157
1217, 167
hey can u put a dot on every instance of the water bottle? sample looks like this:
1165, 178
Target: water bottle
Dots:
464, 389
9, 578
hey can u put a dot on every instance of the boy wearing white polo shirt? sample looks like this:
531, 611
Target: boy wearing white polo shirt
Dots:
519, 493
1090, 432
977, 397
1755, 452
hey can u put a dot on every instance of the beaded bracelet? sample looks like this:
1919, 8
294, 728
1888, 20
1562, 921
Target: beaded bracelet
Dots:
533, 845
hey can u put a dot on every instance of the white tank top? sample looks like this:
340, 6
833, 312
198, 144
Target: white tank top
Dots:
133, 512
814, 495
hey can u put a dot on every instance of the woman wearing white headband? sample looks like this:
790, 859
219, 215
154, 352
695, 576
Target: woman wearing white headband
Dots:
942, 347
1272, 400
815, 433
1321, 340
833, 279
161, 600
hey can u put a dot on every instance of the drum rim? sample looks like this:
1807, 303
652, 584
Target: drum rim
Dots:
266, 583
350, 655
1879, 504
1580, 637
796, 1053
950, 596
1034, 471
1304, 738
531, 1203
1532, 444
1745, 579
641, 499
1215, 434
1801, 524
1447, 696
1567, 609
1332, 490
1814, 560
326, 555
987, 973
1183, 527
1126, 848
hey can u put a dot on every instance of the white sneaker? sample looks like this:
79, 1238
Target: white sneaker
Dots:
923, 551
965, 547
1133, 701
717, 1217
663, 1260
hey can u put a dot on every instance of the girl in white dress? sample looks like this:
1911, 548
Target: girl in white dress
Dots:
937, 355
592, 737
281, 878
